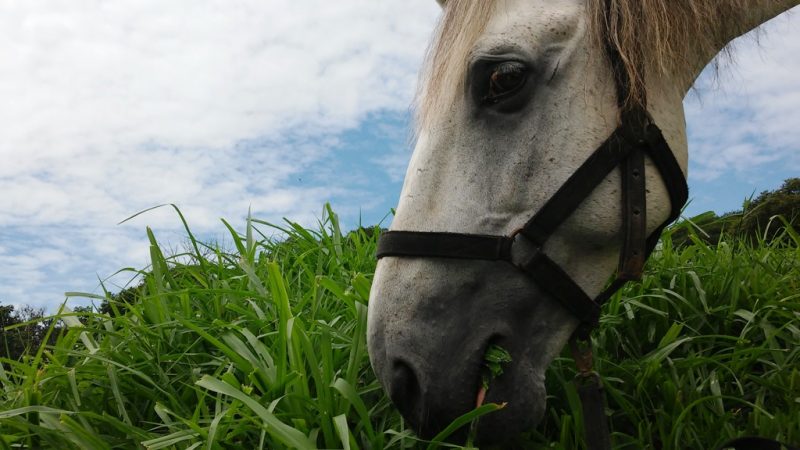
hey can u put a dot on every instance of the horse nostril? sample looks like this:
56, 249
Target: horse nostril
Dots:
404, 387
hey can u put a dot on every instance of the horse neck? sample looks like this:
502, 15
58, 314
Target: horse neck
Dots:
757, 13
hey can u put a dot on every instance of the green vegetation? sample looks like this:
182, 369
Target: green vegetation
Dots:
20, 339
494, 360
264, 347
754, 221
705, 348
23, 330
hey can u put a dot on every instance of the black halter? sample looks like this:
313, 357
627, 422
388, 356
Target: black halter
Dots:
636, 136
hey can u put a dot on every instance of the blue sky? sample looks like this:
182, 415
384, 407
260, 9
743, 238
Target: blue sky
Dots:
276, 106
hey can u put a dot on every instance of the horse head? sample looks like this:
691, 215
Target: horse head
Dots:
516, 97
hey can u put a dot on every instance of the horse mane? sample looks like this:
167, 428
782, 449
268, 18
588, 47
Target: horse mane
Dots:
442, 75
664, 36
656, 35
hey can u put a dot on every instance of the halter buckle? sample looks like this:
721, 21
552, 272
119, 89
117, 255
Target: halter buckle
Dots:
582, 354
527, 254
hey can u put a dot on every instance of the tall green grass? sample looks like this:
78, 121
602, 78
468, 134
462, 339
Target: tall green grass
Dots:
264, 347
705, 349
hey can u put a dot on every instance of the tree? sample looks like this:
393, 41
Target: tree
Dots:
26, 333
753, 222
116, 305
785, 201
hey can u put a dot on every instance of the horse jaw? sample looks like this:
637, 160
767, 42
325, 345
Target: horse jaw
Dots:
431, 320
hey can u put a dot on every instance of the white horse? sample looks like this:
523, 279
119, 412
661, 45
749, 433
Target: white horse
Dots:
516, 96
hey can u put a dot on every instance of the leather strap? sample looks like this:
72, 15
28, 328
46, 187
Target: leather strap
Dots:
550, 277
590, 390
595, 422
634, 218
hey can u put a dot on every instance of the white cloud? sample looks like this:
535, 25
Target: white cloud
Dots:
130, 103
113, 107
749, 117
201, 74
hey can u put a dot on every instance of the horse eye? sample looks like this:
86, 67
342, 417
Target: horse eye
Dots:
505, 79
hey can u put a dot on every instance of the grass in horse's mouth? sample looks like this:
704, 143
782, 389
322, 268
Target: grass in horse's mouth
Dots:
493, 361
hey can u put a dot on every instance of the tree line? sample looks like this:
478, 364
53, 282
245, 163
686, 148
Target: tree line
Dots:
761, 218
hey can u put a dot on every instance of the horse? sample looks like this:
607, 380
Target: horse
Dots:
515, 97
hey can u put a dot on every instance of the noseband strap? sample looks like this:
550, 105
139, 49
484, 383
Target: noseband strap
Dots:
636, 137
445, 245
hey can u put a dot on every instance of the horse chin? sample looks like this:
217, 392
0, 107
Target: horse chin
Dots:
520, 390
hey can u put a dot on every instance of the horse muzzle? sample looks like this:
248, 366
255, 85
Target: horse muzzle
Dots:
430, 324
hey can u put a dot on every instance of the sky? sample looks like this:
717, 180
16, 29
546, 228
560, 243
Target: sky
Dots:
274, 107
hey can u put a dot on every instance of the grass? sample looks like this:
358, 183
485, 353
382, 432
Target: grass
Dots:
264, 347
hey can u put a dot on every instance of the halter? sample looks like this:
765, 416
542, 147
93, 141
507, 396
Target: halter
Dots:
636, 136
